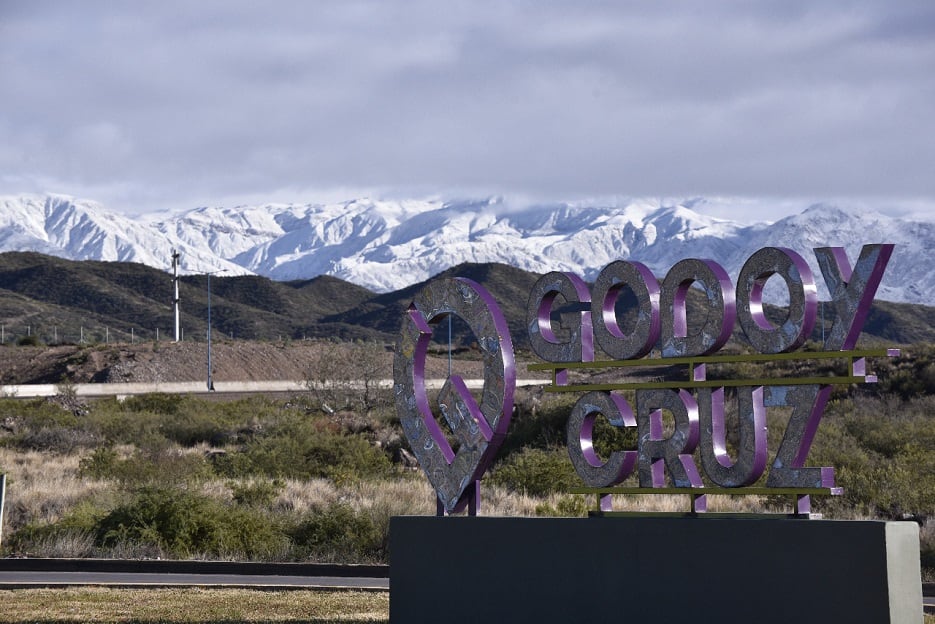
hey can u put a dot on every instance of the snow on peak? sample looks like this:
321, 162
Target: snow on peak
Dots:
386, 245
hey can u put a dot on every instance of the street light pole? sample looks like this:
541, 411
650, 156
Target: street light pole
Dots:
210, 379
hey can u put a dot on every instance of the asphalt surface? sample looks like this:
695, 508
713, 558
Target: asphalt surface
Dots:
27, 580
33, 573
43, 573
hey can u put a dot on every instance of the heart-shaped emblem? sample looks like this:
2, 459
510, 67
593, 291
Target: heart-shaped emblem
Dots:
479, 428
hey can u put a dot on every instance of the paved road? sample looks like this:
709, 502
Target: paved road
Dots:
17, 573
24, 574
22, 580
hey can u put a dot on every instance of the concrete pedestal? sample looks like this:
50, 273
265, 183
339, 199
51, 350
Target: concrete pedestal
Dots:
463, 569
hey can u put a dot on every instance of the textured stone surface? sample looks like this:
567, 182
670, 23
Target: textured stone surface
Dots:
608, 334
803, 300
479, 428
750, 462
594, 471
675, 339
573, 341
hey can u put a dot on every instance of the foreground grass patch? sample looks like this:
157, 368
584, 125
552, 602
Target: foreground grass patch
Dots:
192, 605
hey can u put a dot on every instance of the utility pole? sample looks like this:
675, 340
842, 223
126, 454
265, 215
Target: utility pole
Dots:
210, 373
175, 282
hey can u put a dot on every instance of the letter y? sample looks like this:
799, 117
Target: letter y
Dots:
852, 291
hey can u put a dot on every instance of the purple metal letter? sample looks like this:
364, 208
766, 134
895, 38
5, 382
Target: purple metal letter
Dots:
851, 291
674, 340
657, 453
808, 405
578, 346
607, 333
803, 300
751, 452
580, 436
479, 428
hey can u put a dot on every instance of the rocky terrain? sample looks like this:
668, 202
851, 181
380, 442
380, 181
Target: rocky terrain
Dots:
187, 361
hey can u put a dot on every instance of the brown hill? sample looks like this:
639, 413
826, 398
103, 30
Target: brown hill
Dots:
238, 360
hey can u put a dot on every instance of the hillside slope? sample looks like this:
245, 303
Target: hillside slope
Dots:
52, 301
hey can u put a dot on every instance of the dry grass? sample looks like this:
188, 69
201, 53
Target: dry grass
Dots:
42, 486
191, 605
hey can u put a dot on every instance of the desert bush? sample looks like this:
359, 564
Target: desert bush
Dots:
542, 428
909, 376
118, 426
300, 447
200, 421
61, 440
35, 414
180, 419
339, 533
257, 493
536, 472
162, 464
881, 449
71, 536
42, 425
347, 376
156, 402
101, 463
184, 524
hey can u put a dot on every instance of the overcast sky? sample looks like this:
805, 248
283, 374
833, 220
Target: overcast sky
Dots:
148, 106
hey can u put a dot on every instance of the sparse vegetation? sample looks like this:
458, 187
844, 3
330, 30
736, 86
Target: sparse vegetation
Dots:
263, 479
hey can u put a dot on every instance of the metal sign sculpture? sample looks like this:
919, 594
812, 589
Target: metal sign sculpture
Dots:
478, 428
568, 337
697, 404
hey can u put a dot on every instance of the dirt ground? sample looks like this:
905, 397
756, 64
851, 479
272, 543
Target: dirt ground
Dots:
185, 361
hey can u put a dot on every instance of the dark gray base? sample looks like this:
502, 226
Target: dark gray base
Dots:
463, 569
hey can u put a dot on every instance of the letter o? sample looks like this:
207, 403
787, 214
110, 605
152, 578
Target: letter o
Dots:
803, 300
612, 279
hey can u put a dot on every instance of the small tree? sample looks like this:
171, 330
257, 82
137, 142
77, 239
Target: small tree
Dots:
348, 375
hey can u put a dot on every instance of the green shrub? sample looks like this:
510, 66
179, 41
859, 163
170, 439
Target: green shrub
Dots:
37, 413
300, 448
71, 536
881, 449
257, 493
338, 533
157, 403
100, 464
183, 524
176, 418
144, 467
536, 472
62, 440
543, 428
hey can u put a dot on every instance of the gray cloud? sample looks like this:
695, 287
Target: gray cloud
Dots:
144, 105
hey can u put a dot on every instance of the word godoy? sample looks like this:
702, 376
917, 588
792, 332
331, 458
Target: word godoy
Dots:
662, 324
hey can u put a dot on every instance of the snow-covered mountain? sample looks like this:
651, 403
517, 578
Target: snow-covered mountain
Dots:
387, 245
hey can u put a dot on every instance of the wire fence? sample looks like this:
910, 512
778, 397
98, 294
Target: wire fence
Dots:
96, 334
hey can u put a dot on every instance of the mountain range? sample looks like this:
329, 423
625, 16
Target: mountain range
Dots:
49, 300
385, 246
